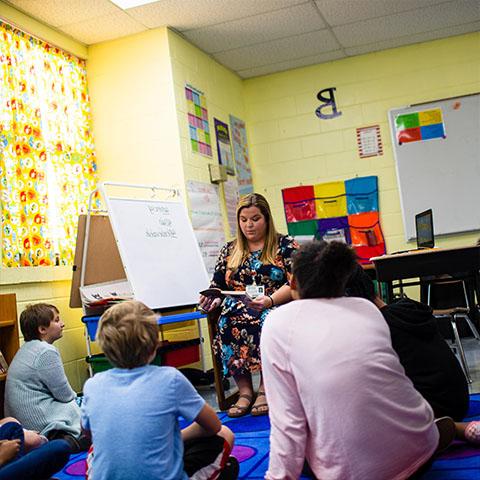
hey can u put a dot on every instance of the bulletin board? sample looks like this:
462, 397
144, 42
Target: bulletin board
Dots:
437, 154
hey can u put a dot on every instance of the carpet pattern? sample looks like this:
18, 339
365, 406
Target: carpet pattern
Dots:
459, 462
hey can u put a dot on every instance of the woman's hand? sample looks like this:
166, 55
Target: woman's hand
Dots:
209, 303
260, 303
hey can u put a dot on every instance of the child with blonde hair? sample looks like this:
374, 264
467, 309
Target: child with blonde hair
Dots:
132, 410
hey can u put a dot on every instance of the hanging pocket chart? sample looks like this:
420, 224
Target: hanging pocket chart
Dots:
362, 194
365, 229
299, 203
304, 228
330, 199
336, 228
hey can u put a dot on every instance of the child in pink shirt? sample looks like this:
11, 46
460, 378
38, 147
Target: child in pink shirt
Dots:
338, 395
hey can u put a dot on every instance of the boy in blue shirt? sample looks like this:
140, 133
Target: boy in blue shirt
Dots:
132, 411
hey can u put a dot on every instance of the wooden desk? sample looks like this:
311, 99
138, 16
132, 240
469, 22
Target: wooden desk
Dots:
461, 262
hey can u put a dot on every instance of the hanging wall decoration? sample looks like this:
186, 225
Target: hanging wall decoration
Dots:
369, 141
198, 121
419, 126
345, 211
224, 148
240, 153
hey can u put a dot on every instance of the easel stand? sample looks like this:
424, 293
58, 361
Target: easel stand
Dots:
145, 238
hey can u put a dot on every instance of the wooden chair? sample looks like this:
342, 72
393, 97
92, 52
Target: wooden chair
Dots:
224, 403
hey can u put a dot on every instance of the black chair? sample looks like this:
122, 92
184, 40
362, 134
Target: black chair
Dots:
449, 299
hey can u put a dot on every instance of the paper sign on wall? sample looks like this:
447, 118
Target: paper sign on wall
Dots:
369, 141
206, 219
198, 121
224, 148
240, 153
419, 126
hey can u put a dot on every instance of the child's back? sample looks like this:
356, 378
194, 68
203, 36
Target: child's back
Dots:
132, 414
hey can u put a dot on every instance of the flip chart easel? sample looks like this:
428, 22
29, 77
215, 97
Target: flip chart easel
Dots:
146, 239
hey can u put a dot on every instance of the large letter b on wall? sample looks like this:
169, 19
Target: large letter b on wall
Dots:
328, 101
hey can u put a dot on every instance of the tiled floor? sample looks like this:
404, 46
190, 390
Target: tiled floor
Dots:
470, 345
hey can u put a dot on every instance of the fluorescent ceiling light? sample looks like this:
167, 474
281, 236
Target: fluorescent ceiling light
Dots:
124, 4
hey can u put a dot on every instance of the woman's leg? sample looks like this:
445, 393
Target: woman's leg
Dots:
260, 407
39, 464
245, 395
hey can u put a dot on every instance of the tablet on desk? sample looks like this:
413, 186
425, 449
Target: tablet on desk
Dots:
424, 229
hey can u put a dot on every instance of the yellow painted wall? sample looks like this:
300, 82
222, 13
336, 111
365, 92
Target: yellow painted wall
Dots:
224, 94
290, 146
49, 284
133, 110
223, 90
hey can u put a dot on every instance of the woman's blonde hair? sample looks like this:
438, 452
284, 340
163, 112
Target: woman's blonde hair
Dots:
240, 249
128, 334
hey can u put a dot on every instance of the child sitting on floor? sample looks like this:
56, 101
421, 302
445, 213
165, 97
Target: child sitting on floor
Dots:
132, 411
427, 359
37, 390
25, 455
337, 392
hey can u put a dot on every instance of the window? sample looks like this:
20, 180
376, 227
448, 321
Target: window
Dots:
47, 160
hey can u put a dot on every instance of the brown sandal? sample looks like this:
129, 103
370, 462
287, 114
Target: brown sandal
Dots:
242, 409
255, 410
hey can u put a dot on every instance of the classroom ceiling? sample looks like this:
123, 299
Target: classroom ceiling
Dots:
259, 37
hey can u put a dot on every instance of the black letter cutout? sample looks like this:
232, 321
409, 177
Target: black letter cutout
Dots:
327, 102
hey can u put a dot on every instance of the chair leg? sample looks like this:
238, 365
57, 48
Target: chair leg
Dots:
463, 360
472, 327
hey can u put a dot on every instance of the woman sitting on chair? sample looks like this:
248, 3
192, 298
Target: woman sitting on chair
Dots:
259, 257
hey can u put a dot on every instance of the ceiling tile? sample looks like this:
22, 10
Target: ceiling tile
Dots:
257, 29
64, 12
339, 12
408, 23
417, 38
278, 50
188, 14
289, 64
105, 28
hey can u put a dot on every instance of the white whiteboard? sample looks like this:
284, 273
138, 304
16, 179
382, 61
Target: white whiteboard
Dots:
442, 173
159, 251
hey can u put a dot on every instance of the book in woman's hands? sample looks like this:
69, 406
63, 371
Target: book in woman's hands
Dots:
216, 292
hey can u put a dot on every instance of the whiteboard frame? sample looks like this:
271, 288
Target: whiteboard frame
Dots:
391, 118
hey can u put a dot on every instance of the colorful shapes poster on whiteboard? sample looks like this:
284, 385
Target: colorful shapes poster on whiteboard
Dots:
419, 126
224, 149
207, 221
240, 153
199, 128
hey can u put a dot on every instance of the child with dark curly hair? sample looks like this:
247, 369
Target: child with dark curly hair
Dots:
337, 392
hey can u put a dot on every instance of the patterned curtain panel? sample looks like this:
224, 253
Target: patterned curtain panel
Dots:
47, 160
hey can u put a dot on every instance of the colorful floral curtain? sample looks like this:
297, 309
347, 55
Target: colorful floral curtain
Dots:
47, 160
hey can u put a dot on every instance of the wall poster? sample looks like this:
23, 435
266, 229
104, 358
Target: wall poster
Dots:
224, 149
200, 140
240, 153
207, 221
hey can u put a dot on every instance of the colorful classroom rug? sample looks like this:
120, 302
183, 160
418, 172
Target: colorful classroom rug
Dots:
459, 462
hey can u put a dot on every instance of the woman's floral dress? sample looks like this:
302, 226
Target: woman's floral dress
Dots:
237, 342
